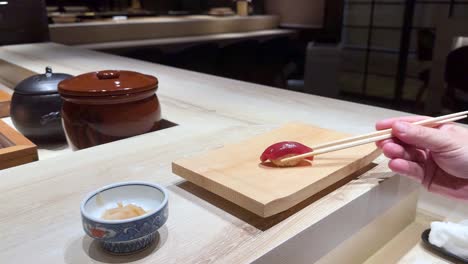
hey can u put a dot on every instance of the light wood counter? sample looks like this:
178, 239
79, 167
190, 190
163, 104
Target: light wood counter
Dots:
39, 205
406, 247
223, 38
157, 27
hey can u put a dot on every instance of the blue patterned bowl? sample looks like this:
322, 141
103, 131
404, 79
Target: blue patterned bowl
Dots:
129, 235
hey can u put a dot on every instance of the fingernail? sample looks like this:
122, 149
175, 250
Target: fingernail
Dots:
401, 127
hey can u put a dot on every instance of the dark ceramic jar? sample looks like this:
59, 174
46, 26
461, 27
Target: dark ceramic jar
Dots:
35, 107
101, 107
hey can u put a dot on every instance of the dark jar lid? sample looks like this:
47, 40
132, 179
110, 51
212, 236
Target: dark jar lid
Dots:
107, 83
41, 84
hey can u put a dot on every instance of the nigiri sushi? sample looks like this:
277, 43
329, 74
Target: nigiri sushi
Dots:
281, 150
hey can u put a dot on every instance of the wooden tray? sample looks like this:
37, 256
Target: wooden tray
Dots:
15, 149
235, 173
5, 100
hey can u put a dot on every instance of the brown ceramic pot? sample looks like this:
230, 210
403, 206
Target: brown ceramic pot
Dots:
101, 107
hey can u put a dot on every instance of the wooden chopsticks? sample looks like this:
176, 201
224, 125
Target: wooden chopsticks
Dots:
373, 137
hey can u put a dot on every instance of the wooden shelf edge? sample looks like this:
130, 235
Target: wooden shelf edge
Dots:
15, 152
15, 148
18, 161
5, 100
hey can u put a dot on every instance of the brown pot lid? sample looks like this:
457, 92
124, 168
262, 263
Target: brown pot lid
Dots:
107, 83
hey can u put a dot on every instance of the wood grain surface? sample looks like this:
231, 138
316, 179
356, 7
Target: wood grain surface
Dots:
223, 38
235, 173
39, 202
5, 100
157, 27
202, 227
12, 74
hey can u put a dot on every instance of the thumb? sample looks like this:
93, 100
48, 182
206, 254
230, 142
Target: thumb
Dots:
421, 137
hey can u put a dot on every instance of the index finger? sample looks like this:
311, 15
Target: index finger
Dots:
387, 123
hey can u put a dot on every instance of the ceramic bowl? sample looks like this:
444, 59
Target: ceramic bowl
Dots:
129, 235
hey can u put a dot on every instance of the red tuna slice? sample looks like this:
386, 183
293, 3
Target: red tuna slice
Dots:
281, 149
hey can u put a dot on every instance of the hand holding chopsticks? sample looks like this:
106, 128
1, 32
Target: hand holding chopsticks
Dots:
372, 137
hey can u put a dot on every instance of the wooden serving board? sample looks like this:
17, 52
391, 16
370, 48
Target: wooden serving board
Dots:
235, 173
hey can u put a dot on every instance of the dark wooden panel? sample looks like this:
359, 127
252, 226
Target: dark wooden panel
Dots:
304, 13
23, 21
